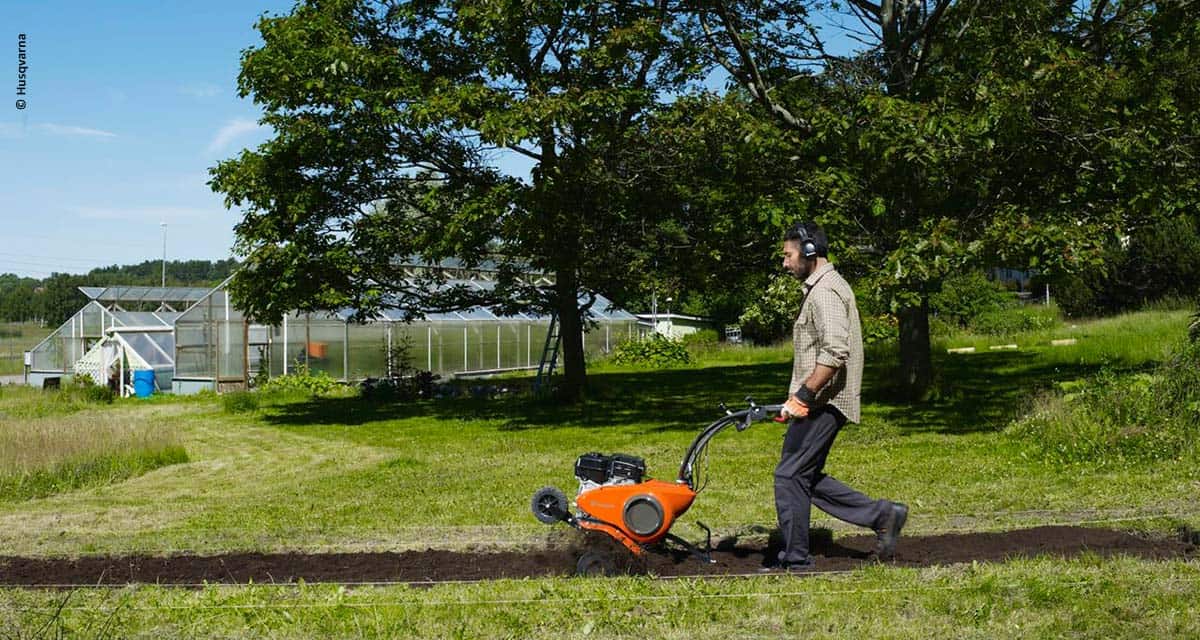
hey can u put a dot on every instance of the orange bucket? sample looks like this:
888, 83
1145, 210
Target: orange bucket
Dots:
317, 349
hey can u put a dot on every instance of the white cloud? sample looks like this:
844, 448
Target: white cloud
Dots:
233, 130
71, 130
201, 90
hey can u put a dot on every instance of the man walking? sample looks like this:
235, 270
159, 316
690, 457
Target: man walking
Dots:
823, 395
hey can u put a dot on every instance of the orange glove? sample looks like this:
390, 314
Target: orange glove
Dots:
793, 408
797, 404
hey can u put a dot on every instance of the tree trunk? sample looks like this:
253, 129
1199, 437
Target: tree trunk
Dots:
916, 370
570, 327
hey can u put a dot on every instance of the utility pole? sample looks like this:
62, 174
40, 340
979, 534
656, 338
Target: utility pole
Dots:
164, 260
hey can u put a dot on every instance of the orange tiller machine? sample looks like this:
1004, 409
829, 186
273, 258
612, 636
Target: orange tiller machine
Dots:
617, 500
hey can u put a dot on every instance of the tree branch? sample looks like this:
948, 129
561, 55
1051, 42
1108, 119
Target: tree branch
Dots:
756, 86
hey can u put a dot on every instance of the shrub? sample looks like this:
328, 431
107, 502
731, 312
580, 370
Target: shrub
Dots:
1009, 321
938, 327
303, 381
1116, 418
964, 298
702, 339
1127, 280
878, 329
655, 351
770, 318
83, 388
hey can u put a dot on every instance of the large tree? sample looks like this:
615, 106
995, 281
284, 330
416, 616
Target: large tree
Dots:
968, 133
390, 122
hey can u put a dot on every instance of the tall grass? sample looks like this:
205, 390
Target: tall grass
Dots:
1124, 340
49, 455
1118, 418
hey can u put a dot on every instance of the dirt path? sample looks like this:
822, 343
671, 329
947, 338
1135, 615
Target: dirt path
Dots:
432, 565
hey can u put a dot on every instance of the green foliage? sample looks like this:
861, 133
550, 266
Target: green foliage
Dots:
1155, 264
81, 389
302, 381
1017, 136
55, 298
655, 351
962, 298
770, 317
1118, 418
240, 402
878, 330
702, 339
387, 121
1005, 322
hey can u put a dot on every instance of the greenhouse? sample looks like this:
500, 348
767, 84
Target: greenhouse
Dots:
217, 347
114, 314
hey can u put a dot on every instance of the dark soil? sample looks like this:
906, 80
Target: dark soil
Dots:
732, 557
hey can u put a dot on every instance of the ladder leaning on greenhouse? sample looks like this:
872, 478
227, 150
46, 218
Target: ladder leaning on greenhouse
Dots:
549, 354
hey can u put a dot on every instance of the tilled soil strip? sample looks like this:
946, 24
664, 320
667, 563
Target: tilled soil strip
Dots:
432, 565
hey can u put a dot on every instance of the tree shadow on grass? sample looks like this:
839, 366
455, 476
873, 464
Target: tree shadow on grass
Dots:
979, 392
672, 399
975, 392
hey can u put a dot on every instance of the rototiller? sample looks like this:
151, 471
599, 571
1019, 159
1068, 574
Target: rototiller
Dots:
615, 498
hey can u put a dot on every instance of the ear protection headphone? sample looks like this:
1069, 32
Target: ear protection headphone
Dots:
807, 240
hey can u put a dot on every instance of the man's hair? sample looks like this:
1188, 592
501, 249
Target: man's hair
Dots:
812, 239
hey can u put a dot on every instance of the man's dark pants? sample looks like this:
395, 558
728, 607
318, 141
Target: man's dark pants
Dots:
800, 483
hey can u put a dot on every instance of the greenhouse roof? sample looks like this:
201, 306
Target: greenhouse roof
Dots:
144, 318
602, 309
145, 294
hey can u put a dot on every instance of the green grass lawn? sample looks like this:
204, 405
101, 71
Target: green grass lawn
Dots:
339, 474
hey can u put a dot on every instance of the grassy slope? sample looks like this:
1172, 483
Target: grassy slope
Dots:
341, 475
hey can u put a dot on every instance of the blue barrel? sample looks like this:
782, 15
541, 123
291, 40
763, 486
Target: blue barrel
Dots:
143, 383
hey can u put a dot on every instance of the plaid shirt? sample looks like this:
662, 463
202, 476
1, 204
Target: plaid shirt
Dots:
828, 332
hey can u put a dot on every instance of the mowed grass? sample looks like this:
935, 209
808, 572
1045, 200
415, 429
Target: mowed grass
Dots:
340, 474
1034, 598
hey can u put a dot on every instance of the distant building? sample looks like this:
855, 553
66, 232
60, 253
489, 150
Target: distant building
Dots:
197, 338
673, 325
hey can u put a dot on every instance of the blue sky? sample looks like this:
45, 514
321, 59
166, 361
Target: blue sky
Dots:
128, 105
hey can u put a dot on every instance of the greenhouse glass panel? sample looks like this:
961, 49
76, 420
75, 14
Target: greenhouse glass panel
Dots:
326, 346
368, 350
148, 348
422, 343
194, 357
512, 344
92, 320
451, 342
288, 345
231, 352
